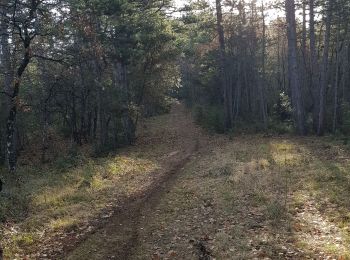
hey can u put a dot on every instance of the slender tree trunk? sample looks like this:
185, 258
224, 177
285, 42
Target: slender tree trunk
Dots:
127, 121
94, 128
11, 120
303, 43
6, 68
314, 65
26, 38
44, 133
101, 121
324, 71
280, 71
84, 102
303, 71
238, 92
263, 76
294, 80
345, 69
336, 81
124, 101
44, 102
284, 69
227, 90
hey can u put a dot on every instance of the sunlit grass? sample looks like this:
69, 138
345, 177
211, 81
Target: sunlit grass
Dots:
61, 197
276, 177
285, 154
64, 223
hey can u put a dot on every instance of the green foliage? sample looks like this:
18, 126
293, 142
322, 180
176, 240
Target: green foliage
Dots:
280, 128
247, 127
211, 118
283, 109
117, 59
345, 111
66, 162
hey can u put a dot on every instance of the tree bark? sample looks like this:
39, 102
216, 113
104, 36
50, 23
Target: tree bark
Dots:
314, 65
27, 36
263, 76
294, 80
101, 115
336, 81
6, 68
324, 71
303, 43
227, 90
127, 121
11, 119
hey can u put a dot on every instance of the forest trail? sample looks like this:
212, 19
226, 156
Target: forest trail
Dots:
79, 181
252, 197
180, 140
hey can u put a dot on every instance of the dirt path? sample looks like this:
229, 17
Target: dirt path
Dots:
213, 198
117, 238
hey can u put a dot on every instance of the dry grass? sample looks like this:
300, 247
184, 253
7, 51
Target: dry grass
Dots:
243, 200
252, 197
63, 198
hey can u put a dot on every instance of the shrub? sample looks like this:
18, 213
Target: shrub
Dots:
210, 118
345, 111
72, 159
281, 128
283, 109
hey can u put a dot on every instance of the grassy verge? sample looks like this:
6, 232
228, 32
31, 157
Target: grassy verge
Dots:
64, 195
58, 202
255, 197
249, 197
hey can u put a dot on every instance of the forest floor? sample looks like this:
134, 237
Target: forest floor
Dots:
181, 193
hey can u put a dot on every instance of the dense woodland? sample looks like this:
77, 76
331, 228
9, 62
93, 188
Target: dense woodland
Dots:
293, 68
84, 70
88, 70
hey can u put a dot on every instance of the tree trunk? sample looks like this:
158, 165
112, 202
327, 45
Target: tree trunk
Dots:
263, 76
6, 68
101, 115
84, 104
294, 81
227, 90
26, 38
314, 65
11, 119
339, 47
304, 70
324, 71
303, 43
128, 123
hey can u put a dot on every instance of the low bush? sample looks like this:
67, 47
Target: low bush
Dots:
210, 118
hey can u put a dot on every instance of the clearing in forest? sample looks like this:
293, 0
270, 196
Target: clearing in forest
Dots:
198, 196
